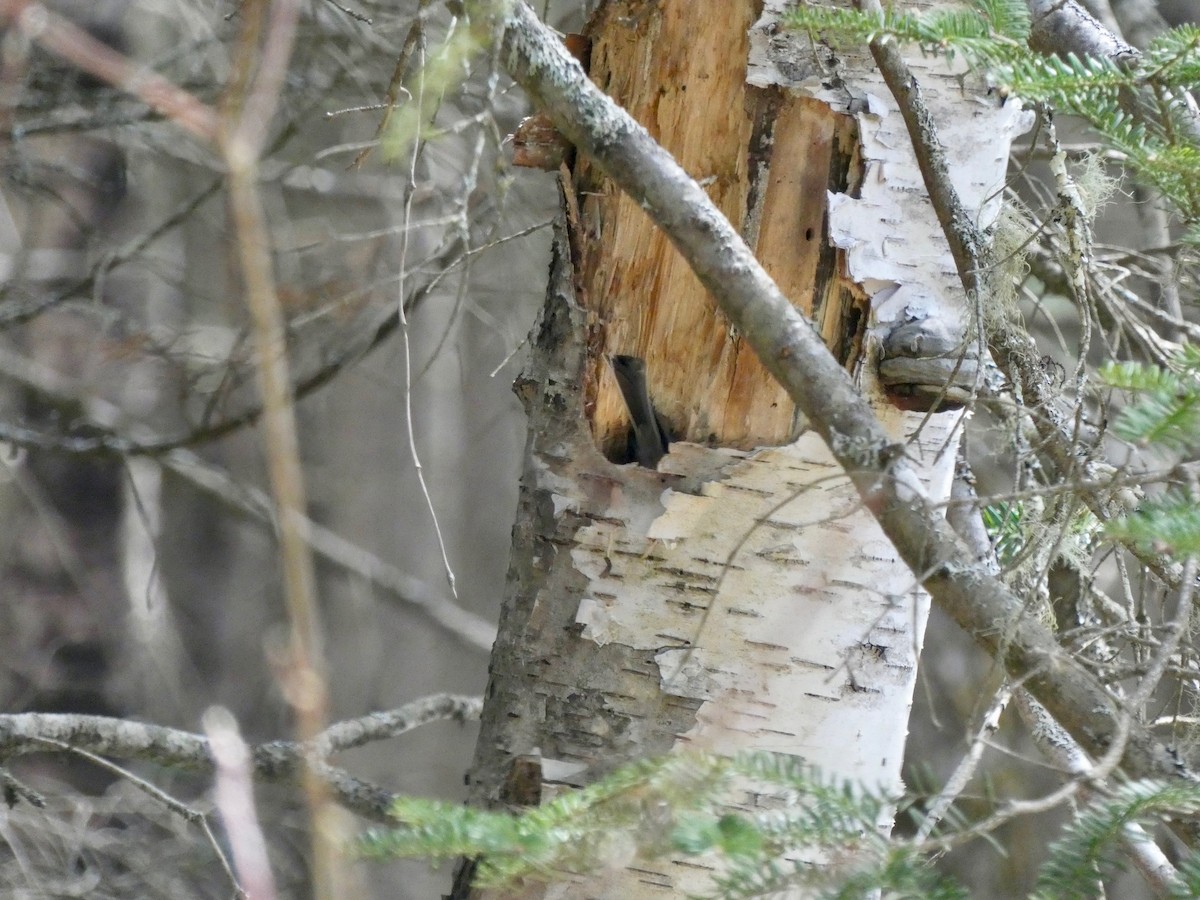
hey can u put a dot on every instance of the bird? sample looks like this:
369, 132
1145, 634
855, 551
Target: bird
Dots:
649, 437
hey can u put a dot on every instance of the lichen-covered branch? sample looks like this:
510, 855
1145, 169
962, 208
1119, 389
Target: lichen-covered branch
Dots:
1066, 27
25, 733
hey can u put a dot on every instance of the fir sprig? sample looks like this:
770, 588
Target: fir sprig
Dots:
679, 803
755, 854
984, 29
1165, 411
1085, 852
1167, 525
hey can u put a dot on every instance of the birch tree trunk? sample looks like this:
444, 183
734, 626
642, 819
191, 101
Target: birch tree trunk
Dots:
739, 596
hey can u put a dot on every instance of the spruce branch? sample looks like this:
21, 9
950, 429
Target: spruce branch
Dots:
678, 804
1085, 850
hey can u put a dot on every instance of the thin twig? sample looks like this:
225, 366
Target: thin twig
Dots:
67, 40
189, 814
275, 761
967, 766
404, 335
249, 110
331, 547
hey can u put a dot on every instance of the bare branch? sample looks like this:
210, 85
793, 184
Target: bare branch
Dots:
75, 45
331, 547
174, 805
235, 799
282, 761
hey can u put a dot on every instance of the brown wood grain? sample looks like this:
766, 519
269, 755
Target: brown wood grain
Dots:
766, 160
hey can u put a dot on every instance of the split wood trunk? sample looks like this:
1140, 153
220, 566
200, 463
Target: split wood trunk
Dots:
739, 596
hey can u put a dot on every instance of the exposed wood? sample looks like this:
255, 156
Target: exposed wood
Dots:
767, 160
